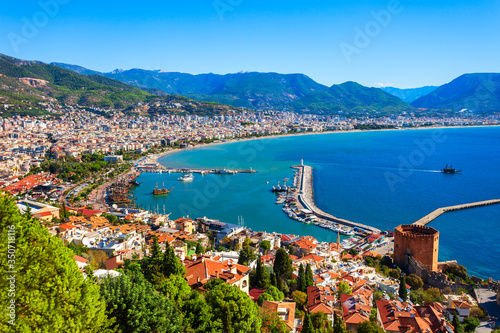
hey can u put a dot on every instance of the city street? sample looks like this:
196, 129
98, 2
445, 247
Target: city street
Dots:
487, 299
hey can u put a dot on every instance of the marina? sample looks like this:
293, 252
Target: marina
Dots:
299, 205
160, 169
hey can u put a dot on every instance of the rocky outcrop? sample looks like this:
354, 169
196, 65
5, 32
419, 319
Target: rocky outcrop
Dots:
33, 82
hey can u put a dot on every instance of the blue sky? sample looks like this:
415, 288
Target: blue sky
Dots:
402, 43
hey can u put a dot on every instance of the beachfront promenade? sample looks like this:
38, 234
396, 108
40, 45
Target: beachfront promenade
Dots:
428, 218
306, 199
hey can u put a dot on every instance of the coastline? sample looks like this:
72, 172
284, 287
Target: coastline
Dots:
275, 136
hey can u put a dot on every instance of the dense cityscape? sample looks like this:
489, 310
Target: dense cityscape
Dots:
66, 170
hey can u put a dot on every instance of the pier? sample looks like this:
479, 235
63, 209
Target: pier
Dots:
438, 212
160, 169
305, 198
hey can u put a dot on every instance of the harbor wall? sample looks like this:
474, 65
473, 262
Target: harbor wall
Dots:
306, 198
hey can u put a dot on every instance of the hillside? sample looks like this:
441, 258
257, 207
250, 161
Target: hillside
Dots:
478, 92
411, 94
351, 98
295, 92
28, 87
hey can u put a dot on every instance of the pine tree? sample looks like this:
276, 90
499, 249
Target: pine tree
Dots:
199, 249
283, 264
273, 280
261, 276
51, 293
309, 280
137, 307
459, 328
403, 291
338, 324
171, 264
64, 212
307, 325
153, 265
300, 279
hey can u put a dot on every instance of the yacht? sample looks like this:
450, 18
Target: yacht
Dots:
186, 178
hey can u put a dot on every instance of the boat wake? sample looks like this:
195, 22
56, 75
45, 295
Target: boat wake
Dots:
374, 167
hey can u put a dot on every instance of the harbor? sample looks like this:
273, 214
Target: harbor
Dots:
298, 204
160, 169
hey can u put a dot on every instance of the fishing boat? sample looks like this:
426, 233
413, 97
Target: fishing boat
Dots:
186, 178
160, 191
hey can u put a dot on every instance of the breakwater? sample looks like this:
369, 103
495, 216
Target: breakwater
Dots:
438, 212
306, 199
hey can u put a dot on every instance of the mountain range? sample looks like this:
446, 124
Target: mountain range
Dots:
255, 90
27, 87
478, 92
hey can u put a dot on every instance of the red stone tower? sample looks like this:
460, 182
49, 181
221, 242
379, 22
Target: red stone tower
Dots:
419, 242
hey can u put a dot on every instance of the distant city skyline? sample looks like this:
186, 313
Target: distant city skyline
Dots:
400, 43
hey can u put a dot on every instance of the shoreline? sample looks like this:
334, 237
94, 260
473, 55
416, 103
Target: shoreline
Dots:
275, 136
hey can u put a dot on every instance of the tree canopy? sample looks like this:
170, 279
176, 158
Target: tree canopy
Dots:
50, 290
133, 301
232, 310
283, 264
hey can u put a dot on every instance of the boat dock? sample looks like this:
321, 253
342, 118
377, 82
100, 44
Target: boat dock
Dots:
428, 218
305, 198
200, 171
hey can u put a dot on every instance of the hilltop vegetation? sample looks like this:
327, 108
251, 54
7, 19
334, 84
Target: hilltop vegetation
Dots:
29, 87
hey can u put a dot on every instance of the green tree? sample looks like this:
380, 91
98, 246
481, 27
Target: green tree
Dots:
414, 281
403, 291
271, 322
470, 324
50, 291
275, 293
343, 288
307, 325
261, 276
64, 212
321, 323
153, 265
338, 324
264, 297
232, 309
171, 264
309, 280
132, 300
282, 264
300, 298
199, 249
369, 327
197, 314
175, 288
394, 273
265, 245
247, 256
456, 324
301, 279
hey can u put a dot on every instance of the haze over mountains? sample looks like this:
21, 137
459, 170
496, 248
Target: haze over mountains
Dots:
411, 94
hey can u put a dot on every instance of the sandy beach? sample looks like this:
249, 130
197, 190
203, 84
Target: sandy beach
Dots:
154, 159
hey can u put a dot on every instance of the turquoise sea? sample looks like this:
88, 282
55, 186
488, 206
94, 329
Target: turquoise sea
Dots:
380, 178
